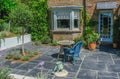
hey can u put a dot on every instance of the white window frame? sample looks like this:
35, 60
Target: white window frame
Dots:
72, 17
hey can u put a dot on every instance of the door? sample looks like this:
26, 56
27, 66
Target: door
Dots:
105, 26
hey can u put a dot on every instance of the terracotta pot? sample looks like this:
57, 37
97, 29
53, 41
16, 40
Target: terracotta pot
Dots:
114, 45
92, 46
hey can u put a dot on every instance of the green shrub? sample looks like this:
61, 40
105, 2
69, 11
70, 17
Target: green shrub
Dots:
39, 28
30, 54
54, 43
4, 73
36, 53
46, 40
17, 56
82, 39
25, 58
37, 42
41, 75
9, 55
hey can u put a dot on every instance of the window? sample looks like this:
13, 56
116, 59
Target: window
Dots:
66, 19
63, 23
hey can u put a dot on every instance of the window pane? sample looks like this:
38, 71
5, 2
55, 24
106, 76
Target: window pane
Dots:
75, 23
63, 23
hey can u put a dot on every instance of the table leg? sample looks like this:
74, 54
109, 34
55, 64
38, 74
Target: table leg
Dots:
60, 52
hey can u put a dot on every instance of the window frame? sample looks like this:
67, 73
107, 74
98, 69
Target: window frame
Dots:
71, 13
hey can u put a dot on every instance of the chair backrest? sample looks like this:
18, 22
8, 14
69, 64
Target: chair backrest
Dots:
77, 48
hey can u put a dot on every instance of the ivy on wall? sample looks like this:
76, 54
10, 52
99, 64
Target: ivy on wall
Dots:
39, 30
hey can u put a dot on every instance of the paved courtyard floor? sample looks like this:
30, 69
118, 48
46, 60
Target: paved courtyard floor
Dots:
102, 63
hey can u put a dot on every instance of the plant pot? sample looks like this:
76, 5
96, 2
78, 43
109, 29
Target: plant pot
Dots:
114, 45
92, 46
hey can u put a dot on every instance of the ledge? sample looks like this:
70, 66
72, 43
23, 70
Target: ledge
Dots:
65, 31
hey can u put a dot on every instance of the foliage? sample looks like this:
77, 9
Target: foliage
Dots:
4, 73
82, 39
54, 43
25, 58
46, 40
36, 53
41, 75
37, 42
17, 56
5, 7
39, 30
9, 55
90, 35
30, 54
116, 30
91, 22
22, 17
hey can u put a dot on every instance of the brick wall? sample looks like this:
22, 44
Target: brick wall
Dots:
64, 2
91, 11
91, 7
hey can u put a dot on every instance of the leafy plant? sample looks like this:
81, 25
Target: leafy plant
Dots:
40, 27
17, 56
30, 54
9, 55
36, 53
25, 58
46, 40
91, 36
37, 42
54, 43
82, 39
4, 73
22, 17
41, 75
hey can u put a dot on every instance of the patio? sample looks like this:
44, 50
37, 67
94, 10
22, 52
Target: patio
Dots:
103, 63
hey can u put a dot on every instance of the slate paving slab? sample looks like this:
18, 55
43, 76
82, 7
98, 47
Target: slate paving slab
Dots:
114, 68
71, 68
10, 64
107, 74
93, 66
102, 63
87, 74
44, 58
35, 72
107, 78
27, 66
117, 62
47, 65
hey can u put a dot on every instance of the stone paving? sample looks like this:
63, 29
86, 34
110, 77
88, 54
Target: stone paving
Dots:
102, 63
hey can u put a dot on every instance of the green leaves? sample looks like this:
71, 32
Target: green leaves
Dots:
40, 23
5, 7
4, 73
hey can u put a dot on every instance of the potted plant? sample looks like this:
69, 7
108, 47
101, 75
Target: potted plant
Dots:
91, 39
116, 32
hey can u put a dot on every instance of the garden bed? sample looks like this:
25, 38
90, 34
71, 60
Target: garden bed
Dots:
21, 59
14, 41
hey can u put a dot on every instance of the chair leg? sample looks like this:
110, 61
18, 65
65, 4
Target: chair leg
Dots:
64, 59
73, 61
58, 56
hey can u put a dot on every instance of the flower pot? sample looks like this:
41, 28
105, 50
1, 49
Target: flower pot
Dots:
92, 46
114, 45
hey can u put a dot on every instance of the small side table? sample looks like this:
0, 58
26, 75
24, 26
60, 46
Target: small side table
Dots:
64, 43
